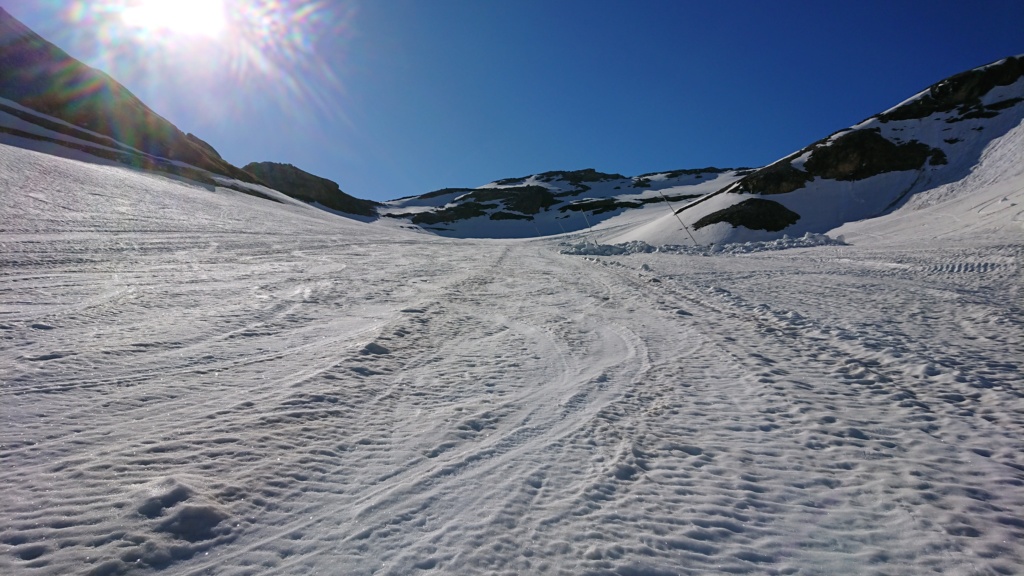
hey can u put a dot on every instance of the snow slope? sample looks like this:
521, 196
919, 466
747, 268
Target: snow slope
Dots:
195, 381
931, 141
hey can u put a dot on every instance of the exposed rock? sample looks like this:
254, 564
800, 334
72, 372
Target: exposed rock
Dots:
509, 216
755, 214
599, 205
454, 213
778, 178
523, 199
699, 172
575, 177
860, 154
308, 187
962, 91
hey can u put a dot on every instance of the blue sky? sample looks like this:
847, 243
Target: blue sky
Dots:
397, 97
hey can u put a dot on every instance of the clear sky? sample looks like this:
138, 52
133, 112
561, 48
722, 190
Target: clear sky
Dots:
398, 97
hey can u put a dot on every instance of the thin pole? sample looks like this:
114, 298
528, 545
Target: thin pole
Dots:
589, 227
676, 214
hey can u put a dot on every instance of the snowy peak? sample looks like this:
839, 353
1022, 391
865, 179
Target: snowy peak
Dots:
867, 170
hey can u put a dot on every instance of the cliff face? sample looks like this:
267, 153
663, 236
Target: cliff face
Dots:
308, 187
41, 76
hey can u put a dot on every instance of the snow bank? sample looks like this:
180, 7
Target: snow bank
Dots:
639, 247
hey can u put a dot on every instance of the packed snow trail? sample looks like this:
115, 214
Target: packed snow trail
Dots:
198, 381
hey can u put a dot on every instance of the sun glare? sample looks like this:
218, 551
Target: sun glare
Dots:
190, 17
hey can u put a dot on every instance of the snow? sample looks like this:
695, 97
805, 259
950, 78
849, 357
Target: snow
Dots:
193, 380
639, 247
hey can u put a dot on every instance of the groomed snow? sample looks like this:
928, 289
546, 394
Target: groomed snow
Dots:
196, 381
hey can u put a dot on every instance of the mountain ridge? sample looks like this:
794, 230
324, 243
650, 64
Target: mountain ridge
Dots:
38, 75
307, 187
864, 171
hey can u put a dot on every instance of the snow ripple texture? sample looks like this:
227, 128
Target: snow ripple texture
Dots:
193, 381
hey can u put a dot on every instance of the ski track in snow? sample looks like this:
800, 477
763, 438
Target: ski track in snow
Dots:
319, 396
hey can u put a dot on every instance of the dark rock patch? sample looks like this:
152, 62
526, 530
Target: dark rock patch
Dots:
509, 216
962, 91
779, 178
523, 199
860, 154
599, 206
755, 214
307, 187
699, 172
463, 211
579, 176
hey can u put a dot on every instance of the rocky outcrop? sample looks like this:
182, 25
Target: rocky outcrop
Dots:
863, 152
39, 75
755, 214
962, 92
307, 187
860, 154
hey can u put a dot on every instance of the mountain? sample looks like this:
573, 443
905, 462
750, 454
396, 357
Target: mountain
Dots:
307, 187
55, 100
51, 102
197, 382
553, 202
932, 139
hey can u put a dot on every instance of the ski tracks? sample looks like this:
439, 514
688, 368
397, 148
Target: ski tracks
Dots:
846, 422
509, 410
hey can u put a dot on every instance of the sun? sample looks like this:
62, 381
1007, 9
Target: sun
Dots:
187, 17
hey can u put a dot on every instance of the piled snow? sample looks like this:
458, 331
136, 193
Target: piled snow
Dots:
639, 247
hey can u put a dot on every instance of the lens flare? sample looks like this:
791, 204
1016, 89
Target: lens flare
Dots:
190, 17
239, 56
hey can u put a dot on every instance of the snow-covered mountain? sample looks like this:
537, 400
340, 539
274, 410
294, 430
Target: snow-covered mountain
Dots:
193, 381
932, 139
552, 202
196, 381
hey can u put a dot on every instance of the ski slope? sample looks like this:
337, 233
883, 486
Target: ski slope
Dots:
196, 381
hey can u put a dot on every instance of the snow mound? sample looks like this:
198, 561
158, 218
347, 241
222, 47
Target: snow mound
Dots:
808, 240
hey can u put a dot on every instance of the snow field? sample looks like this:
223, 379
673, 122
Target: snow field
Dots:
196, 381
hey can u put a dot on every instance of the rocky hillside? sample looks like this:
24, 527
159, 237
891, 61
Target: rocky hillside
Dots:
53, 98
307, 187
552, 202
934, 138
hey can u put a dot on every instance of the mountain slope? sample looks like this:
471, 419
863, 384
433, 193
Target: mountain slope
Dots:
194, 382
932, 139
308, 187
552, 202
90, 106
